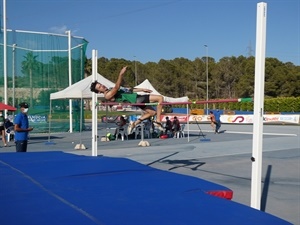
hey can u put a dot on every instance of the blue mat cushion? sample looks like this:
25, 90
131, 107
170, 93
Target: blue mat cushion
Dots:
60, 188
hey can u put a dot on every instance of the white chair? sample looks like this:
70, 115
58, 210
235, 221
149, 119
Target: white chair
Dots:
145, 128
122, 131
10, 134
180, 133
138, 130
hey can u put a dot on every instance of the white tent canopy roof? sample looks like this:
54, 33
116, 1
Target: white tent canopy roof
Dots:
147, 85
81, 90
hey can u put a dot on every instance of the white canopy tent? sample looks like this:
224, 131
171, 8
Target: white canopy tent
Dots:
147, 85
81, 89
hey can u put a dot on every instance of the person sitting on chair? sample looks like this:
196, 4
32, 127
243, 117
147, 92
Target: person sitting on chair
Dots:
8, 124
2, 129
9, 128
120, 94
120, 124
175, 125
168, 126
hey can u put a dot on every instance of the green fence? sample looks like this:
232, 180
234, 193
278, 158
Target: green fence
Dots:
38, 65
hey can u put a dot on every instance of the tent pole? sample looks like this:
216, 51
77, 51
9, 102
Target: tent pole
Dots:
50, 118
80, 126
188, 123
106, 112
80, 145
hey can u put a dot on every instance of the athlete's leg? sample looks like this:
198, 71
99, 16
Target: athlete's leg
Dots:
148, 113
158, 99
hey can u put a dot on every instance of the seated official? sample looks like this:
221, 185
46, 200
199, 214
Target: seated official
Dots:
168, 126
175, 125
120, 124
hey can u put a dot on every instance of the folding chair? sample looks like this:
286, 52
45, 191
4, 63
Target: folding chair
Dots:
180, 133
10, 133
145, 128
122, 131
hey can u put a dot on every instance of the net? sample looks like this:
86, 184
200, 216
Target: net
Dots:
37, 65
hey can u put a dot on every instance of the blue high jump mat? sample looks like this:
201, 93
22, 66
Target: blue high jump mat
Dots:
57, 188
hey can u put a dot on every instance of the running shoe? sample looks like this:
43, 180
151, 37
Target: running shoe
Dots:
158, 125
130, 127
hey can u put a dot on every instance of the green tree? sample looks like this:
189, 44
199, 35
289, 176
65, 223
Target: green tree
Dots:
30, 66
199, 79
88, 67
245, 84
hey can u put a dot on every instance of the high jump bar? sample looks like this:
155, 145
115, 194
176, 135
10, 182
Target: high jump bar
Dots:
179, 103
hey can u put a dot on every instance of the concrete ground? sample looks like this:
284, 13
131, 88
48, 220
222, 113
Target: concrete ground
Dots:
223, 158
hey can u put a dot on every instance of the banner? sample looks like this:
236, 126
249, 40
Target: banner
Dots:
248, 119
236, 119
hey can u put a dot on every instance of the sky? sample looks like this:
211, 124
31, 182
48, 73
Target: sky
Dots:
151, 30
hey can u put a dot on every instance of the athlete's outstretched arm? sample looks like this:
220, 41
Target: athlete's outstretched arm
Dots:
110, 94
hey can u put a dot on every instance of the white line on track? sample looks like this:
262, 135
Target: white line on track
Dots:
241, 132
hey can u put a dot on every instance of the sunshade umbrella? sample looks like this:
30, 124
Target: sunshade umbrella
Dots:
7, 107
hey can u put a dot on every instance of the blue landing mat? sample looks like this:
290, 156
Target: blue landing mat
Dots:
56, 188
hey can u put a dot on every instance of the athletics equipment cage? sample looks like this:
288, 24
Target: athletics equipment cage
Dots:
37, 65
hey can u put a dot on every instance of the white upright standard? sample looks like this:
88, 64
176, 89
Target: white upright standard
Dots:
258, 105
5, 55
70, 78
94, 106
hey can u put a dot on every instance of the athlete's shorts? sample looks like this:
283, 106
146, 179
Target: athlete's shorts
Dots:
144, 99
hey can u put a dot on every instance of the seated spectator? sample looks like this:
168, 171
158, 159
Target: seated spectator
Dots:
2, 128
175, 125
168, 126
120, 124
8, 124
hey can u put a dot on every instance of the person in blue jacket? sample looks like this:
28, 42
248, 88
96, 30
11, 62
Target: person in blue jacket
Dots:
21, 127
215, 119
218, 120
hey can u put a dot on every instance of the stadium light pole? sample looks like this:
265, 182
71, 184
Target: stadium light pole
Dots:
13, 71
206, 47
